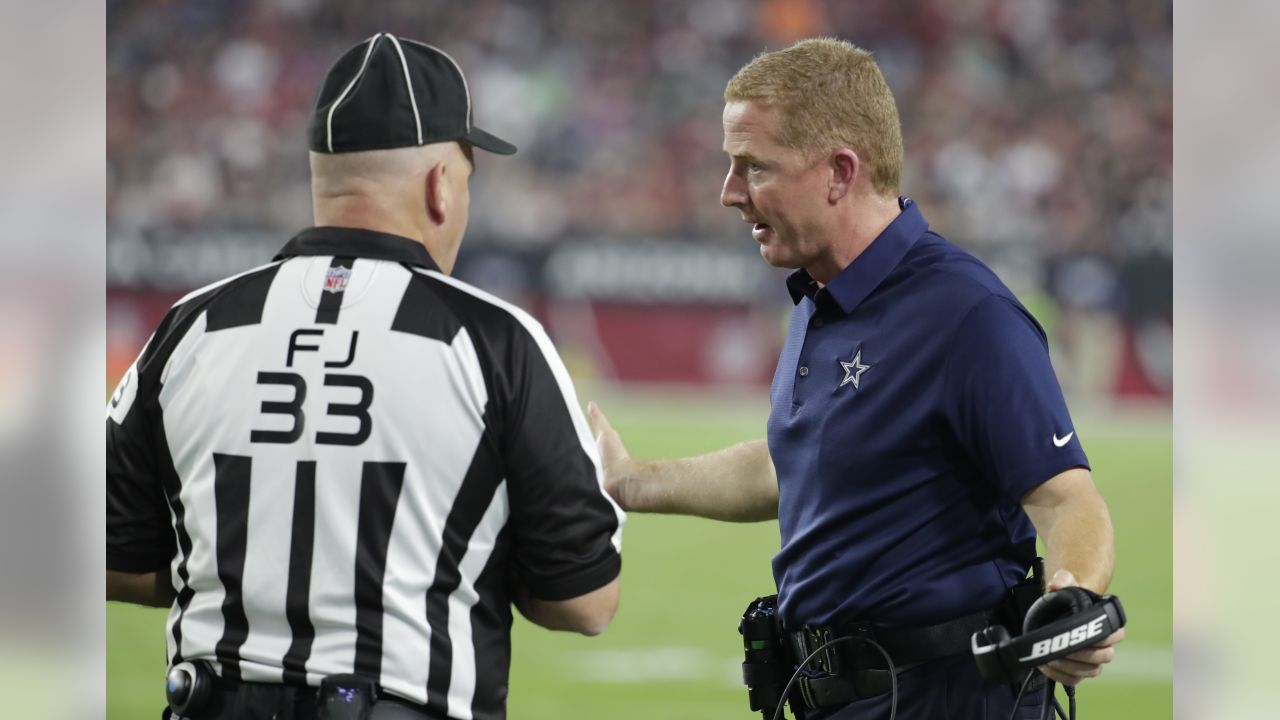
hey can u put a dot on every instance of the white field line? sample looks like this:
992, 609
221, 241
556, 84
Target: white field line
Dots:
1134, 661
645, 665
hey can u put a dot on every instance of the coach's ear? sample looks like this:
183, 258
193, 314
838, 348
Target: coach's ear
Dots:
436, 194
845, 167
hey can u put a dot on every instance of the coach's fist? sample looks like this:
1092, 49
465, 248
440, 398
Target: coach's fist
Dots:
1080, 666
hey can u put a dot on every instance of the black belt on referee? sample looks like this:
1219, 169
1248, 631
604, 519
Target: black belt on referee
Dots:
225, 694
852, 669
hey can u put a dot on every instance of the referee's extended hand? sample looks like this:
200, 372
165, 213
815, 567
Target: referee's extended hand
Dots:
1078, 667
616, 462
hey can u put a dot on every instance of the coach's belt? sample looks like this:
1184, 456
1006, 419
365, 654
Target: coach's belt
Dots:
852, 669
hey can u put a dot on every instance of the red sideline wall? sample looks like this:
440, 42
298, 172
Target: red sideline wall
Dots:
720, 344
694, 344
698, 344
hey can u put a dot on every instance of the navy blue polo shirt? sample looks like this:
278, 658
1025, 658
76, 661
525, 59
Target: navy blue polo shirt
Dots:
913, 406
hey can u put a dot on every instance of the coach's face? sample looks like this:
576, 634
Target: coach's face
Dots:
781, 194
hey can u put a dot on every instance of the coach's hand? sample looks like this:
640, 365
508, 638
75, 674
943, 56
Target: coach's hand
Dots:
1078, 667
737, 483
618, 465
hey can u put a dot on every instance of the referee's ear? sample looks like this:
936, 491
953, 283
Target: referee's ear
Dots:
435, 194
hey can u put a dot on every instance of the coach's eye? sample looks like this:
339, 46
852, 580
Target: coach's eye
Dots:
754, 167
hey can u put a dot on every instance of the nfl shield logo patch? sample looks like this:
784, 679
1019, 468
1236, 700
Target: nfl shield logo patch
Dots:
335, 280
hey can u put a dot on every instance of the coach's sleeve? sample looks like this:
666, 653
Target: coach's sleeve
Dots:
1003, 400
139, 535
568, 531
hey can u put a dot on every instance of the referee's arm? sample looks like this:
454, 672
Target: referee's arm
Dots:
588, 614
152, 589
139, 536
567, 530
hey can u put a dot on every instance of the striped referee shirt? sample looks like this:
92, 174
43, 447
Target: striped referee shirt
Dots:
346, 459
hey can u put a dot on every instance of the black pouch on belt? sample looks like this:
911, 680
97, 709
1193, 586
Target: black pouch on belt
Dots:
1012, 611
1018, 599
346, 697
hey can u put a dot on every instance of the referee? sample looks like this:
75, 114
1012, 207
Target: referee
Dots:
340, 469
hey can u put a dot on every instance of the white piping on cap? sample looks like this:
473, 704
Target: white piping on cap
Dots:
457, 67
417, 121
329, 121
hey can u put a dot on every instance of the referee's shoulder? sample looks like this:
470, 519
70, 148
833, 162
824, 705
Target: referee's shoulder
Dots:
478, 309
181, 316
199, 296
189, 306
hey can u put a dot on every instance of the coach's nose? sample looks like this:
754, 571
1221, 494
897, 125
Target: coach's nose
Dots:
734, 192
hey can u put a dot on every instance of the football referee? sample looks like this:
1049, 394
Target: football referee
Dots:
340, 469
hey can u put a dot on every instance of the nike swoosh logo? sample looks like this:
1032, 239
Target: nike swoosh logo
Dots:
1062, 441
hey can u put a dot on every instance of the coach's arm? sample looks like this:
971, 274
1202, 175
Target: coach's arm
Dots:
588, 614
737, 484
152, 589
1073, 520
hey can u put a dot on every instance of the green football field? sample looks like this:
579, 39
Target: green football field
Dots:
673, 650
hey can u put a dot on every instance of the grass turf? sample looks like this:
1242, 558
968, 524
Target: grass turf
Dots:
673, 650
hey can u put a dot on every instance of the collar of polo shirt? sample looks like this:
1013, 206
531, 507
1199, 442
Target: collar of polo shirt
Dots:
868, 270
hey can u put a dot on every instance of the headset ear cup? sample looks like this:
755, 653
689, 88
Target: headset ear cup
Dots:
988, 645
1055, 606
994, 635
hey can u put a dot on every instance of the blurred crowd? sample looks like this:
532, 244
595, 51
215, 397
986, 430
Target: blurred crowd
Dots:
1038, 133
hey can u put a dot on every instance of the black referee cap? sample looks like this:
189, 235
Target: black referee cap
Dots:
390, 92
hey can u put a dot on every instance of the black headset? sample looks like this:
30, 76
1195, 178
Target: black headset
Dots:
1058, 624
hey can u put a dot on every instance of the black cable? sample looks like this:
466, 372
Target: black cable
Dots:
1050, 701
893, 675
1018, 700
1046, 711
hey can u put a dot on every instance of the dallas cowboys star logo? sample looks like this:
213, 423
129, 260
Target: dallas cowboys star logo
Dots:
853, 370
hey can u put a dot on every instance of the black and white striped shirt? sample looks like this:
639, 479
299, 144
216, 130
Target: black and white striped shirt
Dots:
345, 458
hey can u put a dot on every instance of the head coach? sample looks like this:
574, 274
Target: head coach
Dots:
340, 469
918, 439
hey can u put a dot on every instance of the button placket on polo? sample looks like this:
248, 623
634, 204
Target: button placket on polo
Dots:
801, 371
802, 365
804, 369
